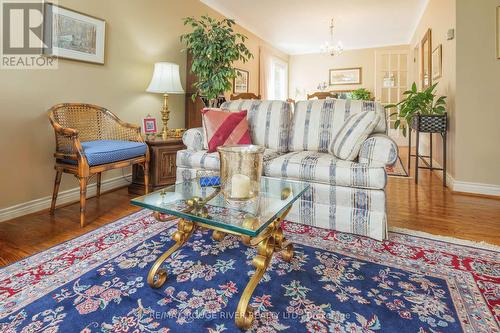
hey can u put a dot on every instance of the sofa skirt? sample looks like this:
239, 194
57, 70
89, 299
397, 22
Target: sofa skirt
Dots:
346, 209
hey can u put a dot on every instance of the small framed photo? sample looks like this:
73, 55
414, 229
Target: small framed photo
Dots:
345, 76
437, 62
240, 82
73, 35
149, 125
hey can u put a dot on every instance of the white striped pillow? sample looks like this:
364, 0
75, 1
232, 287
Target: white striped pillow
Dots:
353, 133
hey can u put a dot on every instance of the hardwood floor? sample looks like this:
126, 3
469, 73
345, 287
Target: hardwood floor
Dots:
431, 208
27, 235
426, 207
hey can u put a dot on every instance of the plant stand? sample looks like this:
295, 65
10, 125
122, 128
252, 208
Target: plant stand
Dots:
427, 124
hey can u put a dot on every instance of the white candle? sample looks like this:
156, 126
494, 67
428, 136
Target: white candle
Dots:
240, 186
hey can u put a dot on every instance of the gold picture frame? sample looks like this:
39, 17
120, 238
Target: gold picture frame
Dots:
437, 62
346, 76
426, 60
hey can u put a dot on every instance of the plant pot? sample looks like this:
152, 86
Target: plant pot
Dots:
430, 123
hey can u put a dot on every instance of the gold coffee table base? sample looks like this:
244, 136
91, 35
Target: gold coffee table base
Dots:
268, 242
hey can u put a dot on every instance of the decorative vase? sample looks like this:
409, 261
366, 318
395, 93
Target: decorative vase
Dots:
240, 171
430, 123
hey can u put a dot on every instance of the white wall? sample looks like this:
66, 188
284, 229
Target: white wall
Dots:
478, 94
439, 16
471, 80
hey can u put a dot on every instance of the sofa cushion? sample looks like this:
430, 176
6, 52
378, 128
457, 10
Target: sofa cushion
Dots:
204, 127
379, 149
109, 151
269, 121
325, 168
317, 122
194, 139
355, 131
202, 159
225, 128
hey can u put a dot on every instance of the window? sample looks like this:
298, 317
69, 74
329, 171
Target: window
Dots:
278, 80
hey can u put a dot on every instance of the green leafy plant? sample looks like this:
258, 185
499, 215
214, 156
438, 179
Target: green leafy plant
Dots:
215, 47
361, 94
417, 102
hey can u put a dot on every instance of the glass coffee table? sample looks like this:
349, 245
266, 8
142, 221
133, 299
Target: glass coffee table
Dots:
257, 222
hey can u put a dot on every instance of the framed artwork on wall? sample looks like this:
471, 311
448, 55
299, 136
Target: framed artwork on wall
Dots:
149, 125
345, 76
73, 35
426, 62
240, 82
437, 62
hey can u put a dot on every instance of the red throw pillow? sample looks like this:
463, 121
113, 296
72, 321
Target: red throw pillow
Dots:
225, 128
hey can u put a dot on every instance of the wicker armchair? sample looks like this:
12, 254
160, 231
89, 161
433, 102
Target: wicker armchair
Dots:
90, 140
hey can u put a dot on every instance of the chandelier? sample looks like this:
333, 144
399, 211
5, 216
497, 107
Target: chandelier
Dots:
329, 47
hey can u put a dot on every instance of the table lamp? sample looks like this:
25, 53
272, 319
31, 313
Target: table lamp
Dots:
166, 80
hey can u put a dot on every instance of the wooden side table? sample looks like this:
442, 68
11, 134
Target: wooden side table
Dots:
162, 165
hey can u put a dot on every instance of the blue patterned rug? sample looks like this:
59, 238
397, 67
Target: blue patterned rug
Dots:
335, 283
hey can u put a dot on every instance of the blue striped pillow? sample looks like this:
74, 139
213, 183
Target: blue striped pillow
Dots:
353, 133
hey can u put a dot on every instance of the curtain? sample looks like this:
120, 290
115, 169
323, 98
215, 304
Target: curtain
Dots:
266, 58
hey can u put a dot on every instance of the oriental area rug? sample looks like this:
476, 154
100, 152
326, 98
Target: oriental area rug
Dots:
336, 282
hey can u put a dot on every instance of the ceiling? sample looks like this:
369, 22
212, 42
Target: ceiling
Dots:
299, 27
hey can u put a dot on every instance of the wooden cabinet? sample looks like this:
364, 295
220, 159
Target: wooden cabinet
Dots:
162, 166
193, 108
193, 111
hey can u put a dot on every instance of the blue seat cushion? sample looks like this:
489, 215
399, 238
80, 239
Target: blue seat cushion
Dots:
109, 151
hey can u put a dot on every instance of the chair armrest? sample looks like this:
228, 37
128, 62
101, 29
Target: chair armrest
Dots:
194, 139
65, 131
127, 132
378, 149
68, 145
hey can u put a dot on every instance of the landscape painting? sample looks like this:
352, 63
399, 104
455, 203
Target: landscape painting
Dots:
71, 34
74, 35
345, 76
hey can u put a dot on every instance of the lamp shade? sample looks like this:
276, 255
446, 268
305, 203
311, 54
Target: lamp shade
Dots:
166, 79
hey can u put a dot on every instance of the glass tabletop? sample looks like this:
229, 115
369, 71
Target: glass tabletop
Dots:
247, 218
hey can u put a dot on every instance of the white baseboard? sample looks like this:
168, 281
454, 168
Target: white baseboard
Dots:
64, 197
450, 181
468, 187
476, 188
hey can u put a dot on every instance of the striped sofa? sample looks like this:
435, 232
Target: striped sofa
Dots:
347, 196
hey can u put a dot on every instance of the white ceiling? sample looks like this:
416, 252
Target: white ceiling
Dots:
299, 26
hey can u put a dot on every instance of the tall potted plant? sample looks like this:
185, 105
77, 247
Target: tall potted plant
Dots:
214, 46
421, 110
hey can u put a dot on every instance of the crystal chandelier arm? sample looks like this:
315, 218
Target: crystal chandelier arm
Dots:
330, 47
